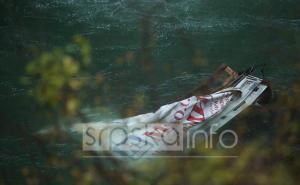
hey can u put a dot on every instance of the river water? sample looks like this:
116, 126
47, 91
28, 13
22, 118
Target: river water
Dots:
186, 40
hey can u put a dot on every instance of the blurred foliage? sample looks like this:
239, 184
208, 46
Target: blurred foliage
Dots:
270, 157
262, 160
55, 76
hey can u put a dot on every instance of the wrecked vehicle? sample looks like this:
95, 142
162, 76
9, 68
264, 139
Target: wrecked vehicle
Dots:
206, 108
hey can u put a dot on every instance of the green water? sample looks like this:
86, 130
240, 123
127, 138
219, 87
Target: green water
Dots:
171, 33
